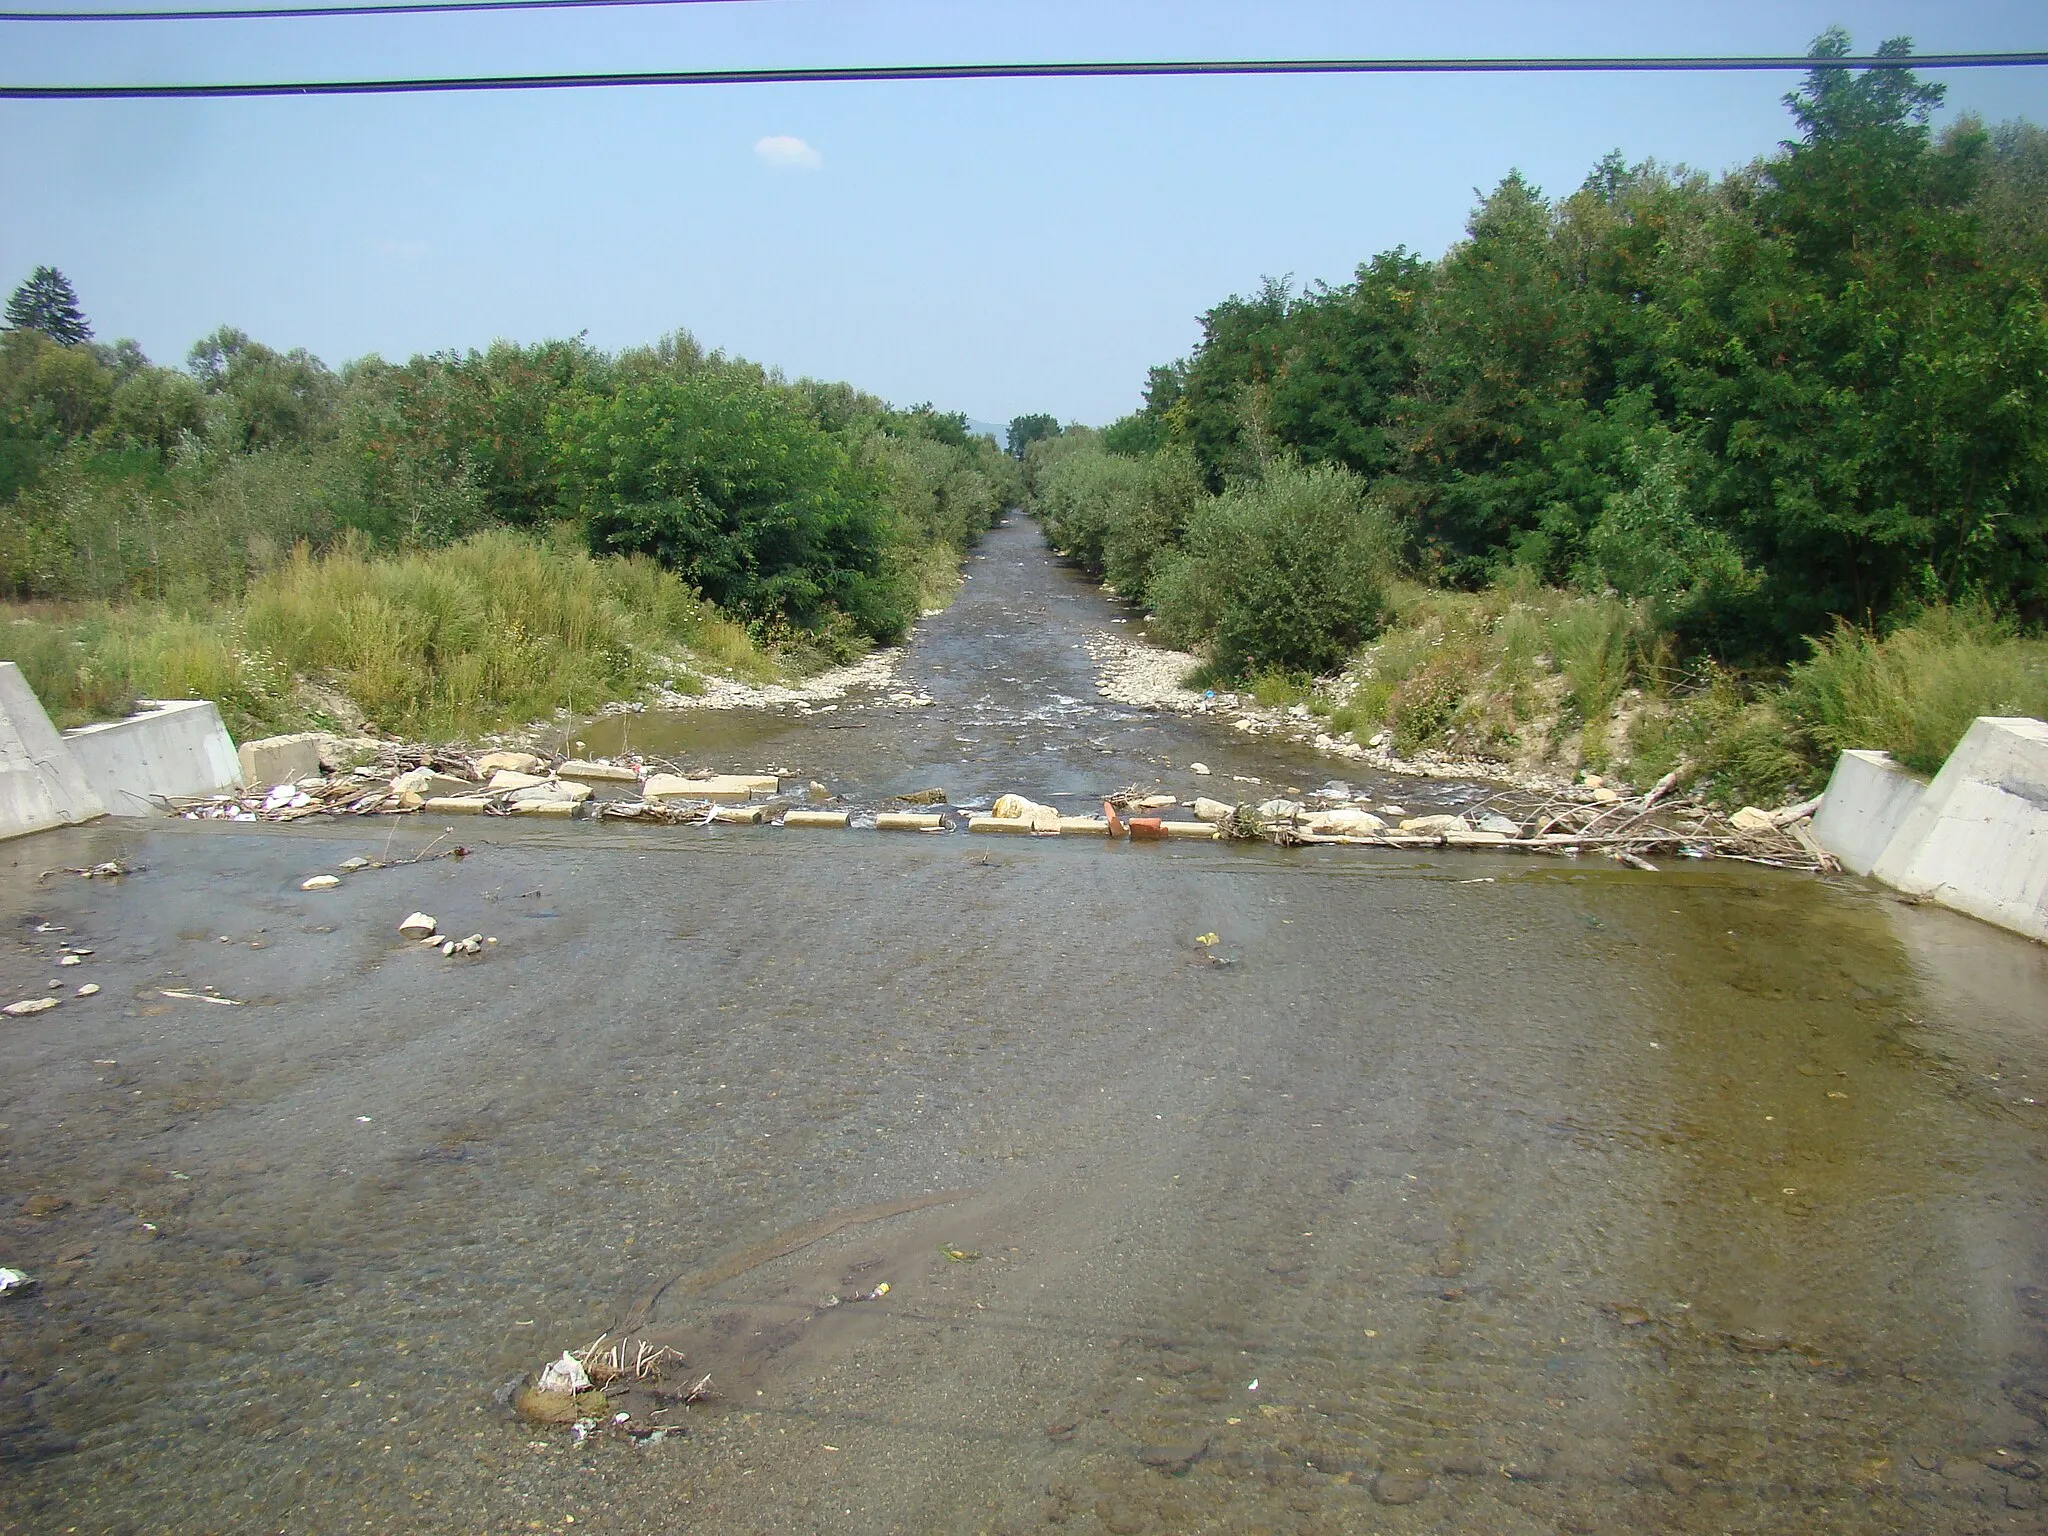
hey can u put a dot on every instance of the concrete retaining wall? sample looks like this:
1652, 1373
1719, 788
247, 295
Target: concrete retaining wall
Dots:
41, 784
1869, 796
1978, 839
171, 748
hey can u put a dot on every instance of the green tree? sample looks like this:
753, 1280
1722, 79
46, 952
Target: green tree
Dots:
1026, 430
730, 484
47, 303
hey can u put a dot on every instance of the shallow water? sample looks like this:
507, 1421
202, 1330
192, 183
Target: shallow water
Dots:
1536, 1196
1015, 706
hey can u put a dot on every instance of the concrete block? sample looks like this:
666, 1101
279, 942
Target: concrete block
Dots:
544, 808
41, 783
815, 819
1021, 825
740, 815
425, 782
1187, 829
169, 749
512, 778
1978, 839
458, 805
1083, 826
723, 789
573, 792
1868, 797
599, 773
271, 760
908, 821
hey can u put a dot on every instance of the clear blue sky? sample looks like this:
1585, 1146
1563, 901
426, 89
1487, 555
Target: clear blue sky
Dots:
996, 247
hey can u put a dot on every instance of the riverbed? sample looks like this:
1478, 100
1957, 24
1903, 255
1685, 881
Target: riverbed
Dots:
1439, 1193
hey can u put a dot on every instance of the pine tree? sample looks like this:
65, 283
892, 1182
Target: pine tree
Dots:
47, 303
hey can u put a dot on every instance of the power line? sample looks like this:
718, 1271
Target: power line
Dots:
1100, 70
278, 13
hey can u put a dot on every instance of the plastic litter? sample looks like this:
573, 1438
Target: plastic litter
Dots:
15, 1282
564, 1375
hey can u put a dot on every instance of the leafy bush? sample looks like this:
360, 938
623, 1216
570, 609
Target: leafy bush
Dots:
1287, 572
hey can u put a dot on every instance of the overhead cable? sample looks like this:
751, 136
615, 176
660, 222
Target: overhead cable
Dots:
300, 12
1112, 69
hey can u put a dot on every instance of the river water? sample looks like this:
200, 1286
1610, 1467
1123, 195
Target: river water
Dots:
1474, 1194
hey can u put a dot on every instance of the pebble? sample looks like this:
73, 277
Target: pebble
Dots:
90, 989
27, 1006
1399, 1487
418, 926
320, 883
1199, 768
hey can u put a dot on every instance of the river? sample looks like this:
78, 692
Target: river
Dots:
1472, 1193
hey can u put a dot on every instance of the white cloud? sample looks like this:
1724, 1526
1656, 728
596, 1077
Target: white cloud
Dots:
780, 152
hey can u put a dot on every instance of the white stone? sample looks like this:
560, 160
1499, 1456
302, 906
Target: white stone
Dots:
419, 926
1199, 768
320, 883
1156, 802
507, 762
90, 989
1206, 809
27, 1006
425, 781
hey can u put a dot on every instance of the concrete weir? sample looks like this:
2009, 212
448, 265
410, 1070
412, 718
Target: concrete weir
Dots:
41, 783
169, 748
1975, 839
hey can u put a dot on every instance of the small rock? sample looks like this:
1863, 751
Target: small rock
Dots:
1493, 821
27, 1006
1199, 768
90, 989
507, 762
1211, 810
1173, 1458
350, 866
1157, 802
1678, 1480
818, 791
419, 926
1399, 1487
44, 1205
70, 960
1750, 819
320, 883
1605, 796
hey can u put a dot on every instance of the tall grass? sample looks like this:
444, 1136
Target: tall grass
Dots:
1914, 692
494, 632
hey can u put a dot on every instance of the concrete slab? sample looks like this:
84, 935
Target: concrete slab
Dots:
170, 749
1868, 797
273, 760
1977, 840
41, 783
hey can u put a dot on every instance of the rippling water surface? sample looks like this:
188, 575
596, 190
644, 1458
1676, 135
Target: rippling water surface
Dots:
1475, 1194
